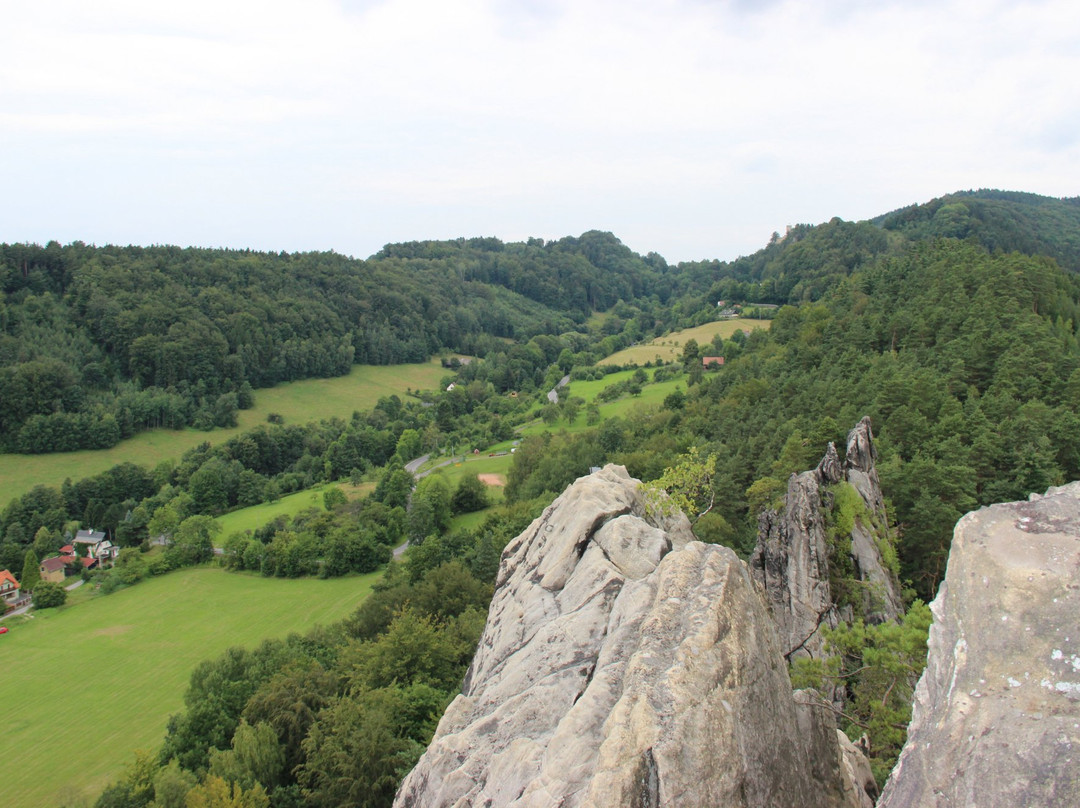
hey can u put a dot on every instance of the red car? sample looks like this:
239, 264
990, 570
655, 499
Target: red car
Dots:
3, 629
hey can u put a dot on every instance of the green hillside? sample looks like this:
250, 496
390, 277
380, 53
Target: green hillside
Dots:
962, 345
95, 682
295, 402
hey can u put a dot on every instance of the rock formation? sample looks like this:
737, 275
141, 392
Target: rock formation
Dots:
996, 719
624, 664
791, 561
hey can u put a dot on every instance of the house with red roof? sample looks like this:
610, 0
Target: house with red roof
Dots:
11, 596
712, 362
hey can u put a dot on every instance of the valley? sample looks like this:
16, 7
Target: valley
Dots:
959, 344
107, 673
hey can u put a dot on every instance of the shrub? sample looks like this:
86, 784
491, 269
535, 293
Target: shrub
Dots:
48, 594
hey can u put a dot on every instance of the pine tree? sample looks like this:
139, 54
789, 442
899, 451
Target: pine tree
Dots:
31, 572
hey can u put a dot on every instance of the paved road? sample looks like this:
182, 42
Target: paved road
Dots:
413, 465
20, 610
553, 393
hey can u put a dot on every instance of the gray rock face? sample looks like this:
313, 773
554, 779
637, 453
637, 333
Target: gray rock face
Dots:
624, 664
791, 560
996, 719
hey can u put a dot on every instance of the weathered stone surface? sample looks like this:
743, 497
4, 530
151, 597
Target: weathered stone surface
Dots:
996, 719
791, 564
861, 787
791, 560
624, 664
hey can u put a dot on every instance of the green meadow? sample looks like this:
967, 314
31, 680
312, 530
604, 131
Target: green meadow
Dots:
296, 402
482, 463
670, 346
85, 686
652, 394
258, 515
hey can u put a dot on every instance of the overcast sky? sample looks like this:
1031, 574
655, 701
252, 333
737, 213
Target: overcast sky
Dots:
690, 128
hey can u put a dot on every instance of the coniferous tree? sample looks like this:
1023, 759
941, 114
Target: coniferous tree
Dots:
31, 572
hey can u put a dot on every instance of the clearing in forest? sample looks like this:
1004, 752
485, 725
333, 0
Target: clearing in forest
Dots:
670, 346
297, 402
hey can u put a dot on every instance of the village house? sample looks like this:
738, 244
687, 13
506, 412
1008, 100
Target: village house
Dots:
11, 596
93, 545
712, 362
52, 569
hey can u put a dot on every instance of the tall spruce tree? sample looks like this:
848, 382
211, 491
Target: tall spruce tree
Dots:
31, 572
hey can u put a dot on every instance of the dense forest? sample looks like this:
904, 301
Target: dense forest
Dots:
99, 343
953, 325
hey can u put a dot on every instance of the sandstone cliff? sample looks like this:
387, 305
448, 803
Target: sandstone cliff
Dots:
791, 562
996, 719
624, 664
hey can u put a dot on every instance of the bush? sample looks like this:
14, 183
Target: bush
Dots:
48, 594
471, 495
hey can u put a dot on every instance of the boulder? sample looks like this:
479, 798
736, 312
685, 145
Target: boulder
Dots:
996, 718
625, 664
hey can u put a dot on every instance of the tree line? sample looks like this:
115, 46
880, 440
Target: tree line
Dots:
97, 343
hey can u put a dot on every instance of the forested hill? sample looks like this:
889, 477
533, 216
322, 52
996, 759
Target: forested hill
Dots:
97, 343
1009, 221
807, 261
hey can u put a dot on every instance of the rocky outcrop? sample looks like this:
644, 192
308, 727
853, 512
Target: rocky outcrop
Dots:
624, 664
791, 560
881, 590
996, 719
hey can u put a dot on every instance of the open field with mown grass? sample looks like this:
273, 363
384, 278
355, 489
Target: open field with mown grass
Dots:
478, 464
670, 346
652, 394
85, 686
296, 402
258, 515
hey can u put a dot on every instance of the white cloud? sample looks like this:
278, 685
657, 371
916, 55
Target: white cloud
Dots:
687, 127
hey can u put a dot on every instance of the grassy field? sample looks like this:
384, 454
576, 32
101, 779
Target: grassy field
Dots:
296, 402
84, 687
258, 515
669, 346
476, 464
652, 394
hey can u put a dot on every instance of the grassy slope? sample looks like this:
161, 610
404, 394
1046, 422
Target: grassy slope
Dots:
670, 346
652, 394
297, 402
84, 687
258, 515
